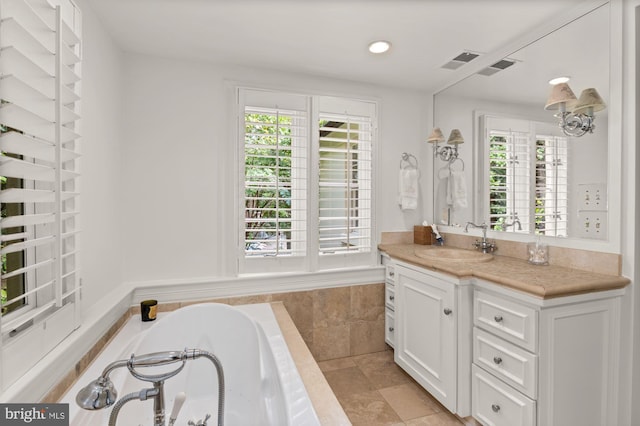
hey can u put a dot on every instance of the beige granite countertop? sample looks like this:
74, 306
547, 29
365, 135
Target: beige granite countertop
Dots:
546, 282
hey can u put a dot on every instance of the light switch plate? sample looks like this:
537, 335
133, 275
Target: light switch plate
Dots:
592, 196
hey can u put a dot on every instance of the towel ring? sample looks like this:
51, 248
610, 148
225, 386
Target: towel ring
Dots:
406, 158
454, 160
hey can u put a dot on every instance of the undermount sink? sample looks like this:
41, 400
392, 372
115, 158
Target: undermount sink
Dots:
450, 254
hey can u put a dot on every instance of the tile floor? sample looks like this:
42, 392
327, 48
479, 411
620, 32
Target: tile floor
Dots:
374, 391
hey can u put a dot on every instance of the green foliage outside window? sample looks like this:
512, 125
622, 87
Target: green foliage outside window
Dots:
268, 169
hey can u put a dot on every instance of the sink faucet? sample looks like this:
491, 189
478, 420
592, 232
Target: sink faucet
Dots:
485, 246
505, 225
101, 393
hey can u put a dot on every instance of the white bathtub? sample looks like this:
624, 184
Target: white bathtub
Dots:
262, 384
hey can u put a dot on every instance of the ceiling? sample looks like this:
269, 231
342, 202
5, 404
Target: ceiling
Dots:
327, 38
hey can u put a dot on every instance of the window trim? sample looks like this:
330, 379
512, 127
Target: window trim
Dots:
312, 262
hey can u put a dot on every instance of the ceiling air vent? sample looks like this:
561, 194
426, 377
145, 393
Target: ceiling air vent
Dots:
460, 60
498, 66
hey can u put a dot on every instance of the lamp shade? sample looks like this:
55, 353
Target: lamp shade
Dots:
561, 94
436, 136
455, 138
589, 102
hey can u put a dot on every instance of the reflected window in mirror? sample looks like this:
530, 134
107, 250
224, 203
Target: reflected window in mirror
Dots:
527, 182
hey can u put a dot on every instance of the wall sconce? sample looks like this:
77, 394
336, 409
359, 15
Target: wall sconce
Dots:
446, 153
580, 119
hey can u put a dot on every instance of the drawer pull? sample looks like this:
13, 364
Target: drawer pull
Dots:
392, 298
391, 329
497, 360
392, 274
447, 311
495, 408
498, 318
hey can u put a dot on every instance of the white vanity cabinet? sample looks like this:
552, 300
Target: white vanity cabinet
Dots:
389, 300
546, 362
432, 337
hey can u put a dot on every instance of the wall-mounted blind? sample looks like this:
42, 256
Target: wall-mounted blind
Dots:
345, 166
39, 131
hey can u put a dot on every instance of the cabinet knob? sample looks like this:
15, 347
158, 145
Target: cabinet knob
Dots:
392, 297
498, 318
391, 329
495, 408
447, 311
392, 274
497, 360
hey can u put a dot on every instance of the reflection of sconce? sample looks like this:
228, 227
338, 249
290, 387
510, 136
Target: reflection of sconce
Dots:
446, 153
580, 119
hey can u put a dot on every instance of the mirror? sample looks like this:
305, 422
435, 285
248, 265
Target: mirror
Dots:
560, 187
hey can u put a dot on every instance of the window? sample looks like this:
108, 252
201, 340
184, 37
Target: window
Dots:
39, 91
307, 172
528, 177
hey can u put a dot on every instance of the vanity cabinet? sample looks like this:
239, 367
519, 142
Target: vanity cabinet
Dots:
389, 300
551, 362
429, 326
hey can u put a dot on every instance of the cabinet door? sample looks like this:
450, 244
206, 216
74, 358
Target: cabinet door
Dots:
426, 332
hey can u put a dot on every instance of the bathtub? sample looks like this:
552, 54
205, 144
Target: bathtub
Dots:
262, 384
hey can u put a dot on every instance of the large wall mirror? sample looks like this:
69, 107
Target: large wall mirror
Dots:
522, 175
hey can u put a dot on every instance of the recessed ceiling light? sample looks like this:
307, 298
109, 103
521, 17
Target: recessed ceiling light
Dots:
559, 80
379, 46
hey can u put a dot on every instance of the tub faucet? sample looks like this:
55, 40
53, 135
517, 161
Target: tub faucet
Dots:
485, 246
101, 393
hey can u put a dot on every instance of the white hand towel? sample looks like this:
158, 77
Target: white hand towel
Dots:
457, 190
408, 189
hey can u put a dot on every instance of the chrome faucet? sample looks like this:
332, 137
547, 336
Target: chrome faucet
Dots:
101, 393
505, 225
485, 246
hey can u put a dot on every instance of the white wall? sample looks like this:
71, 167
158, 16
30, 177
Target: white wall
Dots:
101, 144
179, 161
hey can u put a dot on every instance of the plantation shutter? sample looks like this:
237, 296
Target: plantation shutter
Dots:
39, 88
275, 137
509, 179
345, 167
552, 186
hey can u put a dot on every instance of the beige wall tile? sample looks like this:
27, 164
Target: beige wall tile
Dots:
402, 237
299, 305
251, 299
331, 307
367, 337
367, 302
331, 342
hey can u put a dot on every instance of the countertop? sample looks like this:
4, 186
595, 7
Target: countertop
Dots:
546, 281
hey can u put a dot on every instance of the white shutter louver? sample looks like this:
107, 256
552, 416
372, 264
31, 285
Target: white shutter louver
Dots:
39, 113
509, 179
344, 183
275, 152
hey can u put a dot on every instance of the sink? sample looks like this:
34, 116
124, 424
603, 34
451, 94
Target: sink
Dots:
450, 254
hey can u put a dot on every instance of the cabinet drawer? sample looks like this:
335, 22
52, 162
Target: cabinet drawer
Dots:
389, 328
506, 361
508, 319
497, 404
390, 273
389, 296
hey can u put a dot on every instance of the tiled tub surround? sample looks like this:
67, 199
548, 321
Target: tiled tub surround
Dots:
334, 323
251, 347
